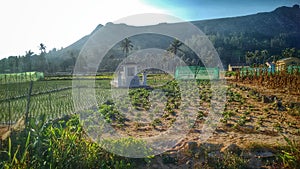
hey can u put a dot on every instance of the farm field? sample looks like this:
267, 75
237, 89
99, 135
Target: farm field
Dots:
53, 98
251, 123
253, 128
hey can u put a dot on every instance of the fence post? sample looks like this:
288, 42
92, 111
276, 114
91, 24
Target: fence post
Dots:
50, 105
9, 114
28, 102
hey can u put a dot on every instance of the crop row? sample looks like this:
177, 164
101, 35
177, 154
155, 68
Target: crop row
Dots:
19, 90
54, 105
145, 105
278, 80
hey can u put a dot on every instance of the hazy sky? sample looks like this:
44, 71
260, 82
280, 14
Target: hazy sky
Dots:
58, 23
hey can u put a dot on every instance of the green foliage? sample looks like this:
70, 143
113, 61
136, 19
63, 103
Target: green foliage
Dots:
230, 74
53, 98
126, 46
60, 144
234, 97
128, 146
21, 77
173, 94
200, 115
291, 155
260, 120
18, 158
140, 98
111, 114
174, 47
226, 116
242, 120
156, 122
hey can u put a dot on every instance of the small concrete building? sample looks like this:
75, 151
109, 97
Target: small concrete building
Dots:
127, 76
236, 66
284, 63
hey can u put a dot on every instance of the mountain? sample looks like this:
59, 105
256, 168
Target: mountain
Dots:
281, 20
232, 37
275, 31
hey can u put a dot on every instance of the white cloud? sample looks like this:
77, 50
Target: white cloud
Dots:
56, 23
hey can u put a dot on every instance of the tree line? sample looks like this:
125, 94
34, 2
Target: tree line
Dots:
232, 48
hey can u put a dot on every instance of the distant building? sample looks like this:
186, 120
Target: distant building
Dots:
284, 63
271, 67
237, 66
127, 76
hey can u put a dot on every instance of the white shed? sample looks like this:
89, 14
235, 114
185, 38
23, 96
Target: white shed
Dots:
127, 76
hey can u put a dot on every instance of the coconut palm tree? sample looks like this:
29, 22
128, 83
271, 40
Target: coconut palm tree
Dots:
42, 48
28, 53
175, 47
289, 52
28, 56
264, 56
126, 46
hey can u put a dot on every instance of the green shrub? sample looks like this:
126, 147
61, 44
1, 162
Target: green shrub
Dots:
59, 144
128, 146
230, 74
111, 114
291, 155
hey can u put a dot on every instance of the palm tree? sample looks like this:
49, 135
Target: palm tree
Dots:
42, 48
28, 56
264, 56
289, 52
126, 46
249, 57
29, 53
256, 57
253, 58
175, 47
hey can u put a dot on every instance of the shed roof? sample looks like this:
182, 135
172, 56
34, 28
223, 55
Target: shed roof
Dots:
238, 64
288, 59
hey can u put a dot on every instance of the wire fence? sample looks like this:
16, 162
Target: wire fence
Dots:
30, 99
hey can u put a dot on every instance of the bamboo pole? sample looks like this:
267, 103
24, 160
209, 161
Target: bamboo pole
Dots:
28, 102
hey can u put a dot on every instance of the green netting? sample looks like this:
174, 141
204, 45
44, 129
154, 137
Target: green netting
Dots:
291, 69
21, 77
252, 71
196, 72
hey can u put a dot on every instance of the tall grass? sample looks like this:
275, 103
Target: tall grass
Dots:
290, 156
60, 144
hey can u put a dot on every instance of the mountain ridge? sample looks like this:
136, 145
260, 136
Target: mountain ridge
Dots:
292, 26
